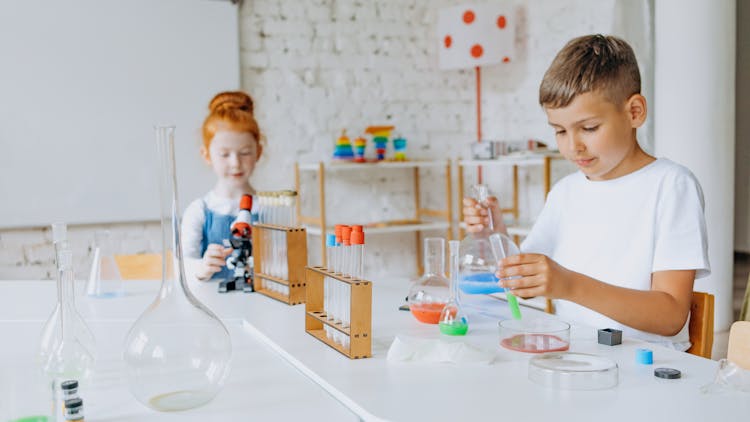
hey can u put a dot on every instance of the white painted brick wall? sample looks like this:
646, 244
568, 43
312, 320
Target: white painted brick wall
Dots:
317, 66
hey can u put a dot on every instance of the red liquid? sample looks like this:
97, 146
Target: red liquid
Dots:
429, 313
535, 343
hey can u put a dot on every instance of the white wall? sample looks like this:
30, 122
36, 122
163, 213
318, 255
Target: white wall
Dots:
317, 66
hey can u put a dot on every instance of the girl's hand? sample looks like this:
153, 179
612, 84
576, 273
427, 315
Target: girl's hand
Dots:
213, 259
476, 215
536, 275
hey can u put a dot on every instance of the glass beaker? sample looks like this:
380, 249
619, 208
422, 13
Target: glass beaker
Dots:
104, 277
453, 320
67, 347
429, 294
477, 263
178, 352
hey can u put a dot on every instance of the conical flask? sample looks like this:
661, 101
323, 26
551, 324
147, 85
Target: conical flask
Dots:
104, 277
429, 294
67, 348
178, 352
453, 320
477, 263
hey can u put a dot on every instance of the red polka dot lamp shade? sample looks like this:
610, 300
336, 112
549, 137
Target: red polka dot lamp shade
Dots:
475, 35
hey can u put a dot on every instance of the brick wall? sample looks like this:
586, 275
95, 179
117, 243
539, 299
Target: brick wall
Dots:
315, 67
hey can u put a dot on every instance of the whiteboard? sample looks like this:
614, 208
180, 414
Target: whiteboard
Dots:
83, 82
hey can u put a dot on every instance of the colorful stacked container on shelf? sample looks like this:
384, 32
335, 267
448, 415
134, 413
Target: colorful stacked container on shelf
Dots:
380, 135
343, 149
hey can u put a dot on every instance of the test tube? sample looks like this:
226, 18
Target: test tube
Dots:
328, 283
358, 246
346, 232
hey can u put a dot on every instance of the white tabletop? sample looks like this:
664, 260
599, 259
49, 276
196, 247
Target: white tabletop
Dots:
377, 389
261, 385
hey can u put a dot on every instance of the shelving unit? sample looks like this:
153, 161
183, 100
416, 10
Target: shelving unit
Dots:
424, 218
516, 228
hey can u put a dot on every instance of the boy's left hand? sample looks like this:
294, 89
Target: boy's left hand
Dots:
539, 276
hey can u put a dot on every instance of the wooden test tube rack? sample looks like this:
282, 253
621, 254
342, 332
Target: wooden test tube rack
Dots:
360, 305
296, 261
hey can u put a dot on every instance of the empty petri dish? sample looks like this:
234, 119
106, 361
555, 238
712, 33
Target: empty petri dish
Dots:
541, 335
573, 371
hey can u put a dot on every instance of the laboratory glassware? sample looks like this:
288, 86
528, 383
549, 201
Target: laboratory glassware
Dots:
429, 294
503, 247
177, 353
104, 278
573, 371
540, 335
453, 320
67, 349
477, 262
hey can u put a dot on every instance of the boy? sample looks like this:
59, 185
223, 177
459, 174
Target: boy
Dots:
619, 243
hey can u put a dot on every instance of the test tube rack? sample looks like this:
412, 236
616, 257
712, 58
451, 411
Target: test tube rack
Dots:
296, 261
360, 305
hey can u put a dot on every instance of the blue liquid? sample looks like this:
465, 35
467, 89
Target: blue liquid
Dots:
479, 283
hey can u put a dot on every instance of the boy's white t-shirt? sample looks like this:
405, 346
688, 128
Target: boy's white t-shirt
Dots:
620, 231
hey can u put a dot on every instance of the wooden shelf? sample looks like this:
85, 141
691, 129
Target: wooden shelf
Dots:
398, 228
348, 165
521, 160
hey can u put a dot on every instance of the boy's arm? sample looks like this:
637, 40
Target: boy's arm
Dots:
662, 310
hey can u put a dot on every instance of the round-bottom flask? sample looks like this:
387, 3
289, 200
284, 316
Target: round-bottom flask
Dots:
178, 352
429, 294
453, 321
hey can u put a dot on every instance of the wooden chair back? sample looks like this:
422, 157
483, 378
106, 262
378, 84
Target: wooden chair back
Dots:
738, 351
139, 266
701, 325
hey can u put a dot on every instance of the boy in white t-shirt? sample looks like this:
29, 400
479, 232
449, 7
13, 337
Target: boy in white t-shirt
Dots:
620, 242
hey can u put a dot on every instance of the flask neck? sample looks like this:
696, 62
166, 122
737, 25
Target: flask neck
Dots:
434, 260
173, 273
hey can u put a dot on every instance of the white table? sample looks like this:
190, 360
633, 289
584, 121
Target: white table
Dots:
376, 389
261, 385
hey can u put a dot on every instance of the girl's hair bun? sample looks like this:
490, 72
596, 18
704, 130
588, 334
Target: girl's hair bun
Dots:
230, 100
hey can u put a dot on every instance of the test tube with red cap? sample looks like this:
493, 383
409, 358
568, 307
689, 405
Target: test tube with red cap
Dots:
346, 250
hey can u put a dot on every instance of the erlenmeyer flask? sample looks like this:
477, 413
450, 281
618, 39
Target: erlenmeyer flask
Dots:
178, 352
104, 278
453, 321
66, 350
477, 263
429, 294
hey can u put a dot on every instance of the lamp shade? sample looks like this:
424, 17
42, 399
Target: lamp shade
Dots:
475, 35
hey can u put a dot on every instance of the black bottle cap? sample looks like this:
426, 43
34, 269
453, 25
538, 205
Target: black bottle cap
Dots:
73, 403
69, 385
667, 373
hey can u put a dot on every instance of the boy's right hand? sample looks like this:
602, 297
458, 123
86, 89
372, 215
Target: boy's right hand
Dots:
213, 259
476, 216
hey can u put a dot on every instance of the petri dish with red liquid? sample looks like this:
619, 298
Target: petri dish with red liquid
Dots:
542, 335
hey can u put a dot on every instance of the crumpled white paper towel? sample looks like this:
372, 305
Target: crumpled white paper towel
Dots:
408, 349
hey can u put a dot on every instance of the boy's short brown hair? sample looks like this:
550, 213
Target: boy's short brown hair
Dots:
591, 63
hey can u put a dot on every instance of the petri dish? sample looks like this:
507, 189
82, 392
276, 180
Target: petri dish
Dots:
573, 371
541, 335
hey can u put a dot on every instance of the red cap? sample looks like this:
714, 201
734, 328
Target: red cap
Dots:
357, 228
358, 238
246, 203
346, 232
337, 231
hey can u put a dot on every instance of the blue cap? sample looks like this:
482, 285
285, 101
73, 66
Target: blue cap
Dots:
331, 240
644, 356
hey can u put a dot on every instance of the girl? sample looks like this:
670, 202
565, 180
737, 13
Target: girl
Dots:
231, 146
